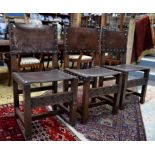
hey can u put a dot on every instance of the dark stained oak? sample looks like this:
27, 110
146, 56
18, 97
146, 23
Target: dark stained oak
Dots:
24, 80
98, 90
29, 39
113, 56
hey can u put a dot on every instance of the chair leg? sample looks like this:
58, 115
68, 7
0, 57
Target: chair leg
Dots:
123, 91
65, 86
144, 87
55, 86
94, 85
101, 80
27, 112
48, 62
9, 70
117, 95
65, 89
85, 101
15, 96
40, 68
43, 63
90, 64
72, 64
72, 118
9, 81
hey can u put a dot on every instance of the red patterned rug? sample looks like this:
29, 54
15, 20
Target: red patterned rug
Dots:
50, 128
103, 126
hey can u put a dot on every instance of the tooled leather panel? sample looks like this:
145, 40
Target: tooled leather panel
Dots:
113, 41
82, 39
29, 39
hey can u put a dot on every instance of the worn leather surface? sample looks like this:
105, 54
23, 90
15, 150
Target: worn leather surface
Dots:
113, 41
82, 39
113, 47
93, 72
127, 68
30, 39
43, 76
